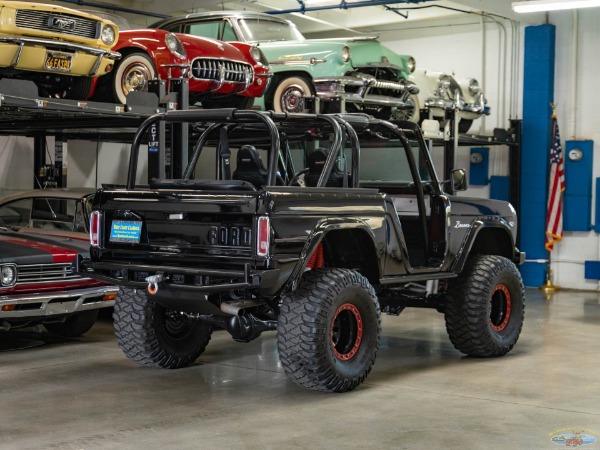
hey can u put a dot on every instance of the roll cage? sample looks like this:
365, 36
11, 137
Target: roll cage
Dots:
275, 133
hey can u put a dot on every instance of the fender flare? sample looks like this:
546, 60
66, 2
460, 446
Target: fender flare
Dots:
471, 236
316, 236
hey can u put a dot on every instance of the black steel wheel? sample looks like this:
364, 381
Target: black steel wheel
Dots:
328, 330
486, 307
153, 335
74, 325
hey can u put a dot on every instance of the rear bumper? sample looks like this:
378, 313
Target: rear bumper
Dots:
29, 53
200, 280
45, 304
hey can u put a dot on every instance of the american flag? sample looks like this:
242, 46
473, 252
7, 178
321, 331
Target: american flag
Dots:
554, 217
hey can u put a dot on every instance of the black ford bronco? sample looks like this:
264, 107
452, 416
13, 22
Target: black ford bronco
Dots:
310, 225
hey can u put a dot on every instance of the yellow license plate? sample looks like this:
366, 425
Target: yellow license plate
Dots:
58, 61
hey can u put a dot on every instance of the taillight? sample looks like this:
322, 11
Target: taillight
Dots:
263, 236
95, 228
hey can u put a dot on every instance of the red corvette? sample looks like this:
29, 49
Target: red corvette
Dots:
222, 74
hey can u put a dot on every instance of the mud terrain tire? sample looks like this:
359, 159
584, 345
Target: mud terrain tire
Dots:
485, 311
328, 330
152, 335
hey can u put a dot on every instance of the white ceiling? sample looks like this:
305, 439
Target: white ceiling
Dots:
363, 19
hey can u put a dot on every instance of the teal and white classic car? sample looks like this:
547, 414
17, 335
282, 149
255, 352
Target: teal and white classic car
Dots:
323, 75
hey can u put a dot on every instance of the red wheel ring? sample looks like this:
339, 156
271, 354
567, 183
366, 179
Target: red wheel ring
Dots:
346, 332
501, 308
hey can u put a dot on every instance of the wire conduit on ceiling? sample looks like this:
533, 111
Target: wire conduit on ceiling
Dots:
343, 5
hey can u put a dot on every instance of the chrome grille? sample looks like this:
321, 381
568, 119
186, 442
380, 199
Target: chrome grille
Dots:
221, 70
389, 85
42, 20
40, 273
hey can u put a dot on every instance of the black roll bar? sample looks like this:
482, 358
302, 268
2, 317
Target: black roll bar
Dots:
227, 115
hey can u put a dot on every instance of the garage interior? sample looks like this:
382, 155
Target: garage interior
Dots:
422, 392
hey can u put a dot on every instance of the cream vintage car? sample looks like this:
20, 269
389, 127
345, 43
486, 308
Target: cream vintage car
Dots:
439, 91
60, 49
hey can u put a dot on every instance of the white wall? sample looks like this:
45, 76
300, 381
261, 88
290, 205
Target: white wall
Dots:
467, 48
16, 163
16, 155
91, 165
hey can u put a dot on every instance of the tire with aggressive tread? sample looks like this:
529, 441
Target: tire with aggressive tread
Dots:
328, 330
151, 335
486, 307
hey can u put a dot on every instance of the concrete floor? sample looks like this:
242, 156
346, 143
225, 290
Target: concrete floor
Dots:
421, 394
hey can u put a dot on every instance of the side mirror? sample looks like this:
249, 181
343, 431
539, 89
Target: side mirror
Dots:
458, 180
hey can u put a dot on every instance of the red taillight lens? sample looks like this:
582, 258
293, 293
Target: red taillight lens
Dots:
95, 228
263, 236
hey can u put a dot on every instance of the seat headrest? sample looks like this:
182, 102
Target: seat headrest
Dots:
248, 157
316, 163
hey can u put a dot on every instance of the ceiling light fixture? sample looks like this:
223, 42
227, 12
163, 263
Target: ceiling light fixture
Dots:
552, 5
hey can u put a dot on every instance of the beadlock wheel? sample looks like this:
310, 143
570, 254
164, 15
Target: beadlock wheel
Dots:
501, 308
346, 332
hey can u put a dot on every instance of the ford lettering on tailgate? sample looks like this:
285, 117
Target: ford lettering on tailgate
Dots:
126, 231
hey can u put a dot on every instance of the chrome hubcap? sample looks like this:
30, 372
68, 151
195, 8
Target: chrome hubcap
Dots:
292, 99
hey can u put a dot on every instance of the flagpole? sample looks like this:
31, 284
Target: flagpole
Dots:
548, 288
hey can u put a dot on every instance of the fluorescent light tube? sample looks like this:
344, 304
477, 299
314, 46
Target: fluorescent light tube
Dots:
552, 5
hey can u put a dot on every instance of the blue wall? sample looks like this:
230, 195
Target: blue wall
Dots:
479, 171
500, 187
577, 198
538, 93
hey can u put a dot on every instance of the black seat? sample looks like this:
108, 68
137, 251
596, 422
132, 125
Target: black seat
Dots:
250, 167
316, 162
